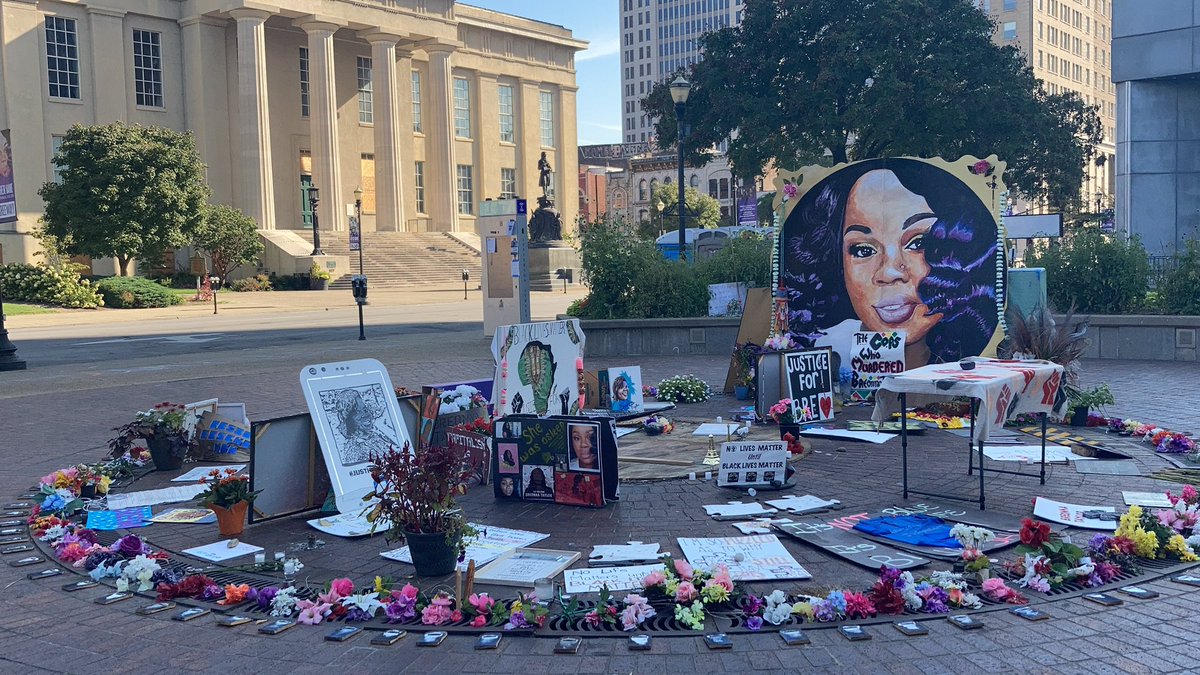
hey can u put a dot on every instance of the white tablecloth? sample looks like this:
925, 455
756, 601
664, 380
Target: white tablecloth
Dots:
1003, 388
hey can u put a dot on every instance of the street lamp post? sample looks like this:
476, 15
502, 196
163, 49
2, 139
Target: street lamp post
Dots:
8, 351
680, 88
662, 217
313, 201
360, 283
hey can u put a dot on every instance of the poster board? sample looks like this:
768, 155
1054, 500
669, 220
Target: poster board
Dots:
755, 327
726, 299
524, 566
489, 544
809, 377
752, 463
1073, 514
564, 459
622, 389
285, 465
192, 412
537, 368
873, 356
850, 547
355, 413
592, 579
763, 557
479, 449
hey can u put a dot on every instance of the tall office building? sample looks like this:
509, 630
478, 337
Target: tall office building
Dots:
1068, 43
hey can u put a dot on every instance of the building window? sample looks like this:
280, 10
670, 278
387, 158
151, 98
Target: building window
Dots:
506, 113
712, 188
1010, 5
419, 175
304, 82
366, 181
694, 181
416, 101
1010, 30
546, 114
62, 57
466, 193
366, 94
147, 68
642, 190
55, 170
508, 183
462, 108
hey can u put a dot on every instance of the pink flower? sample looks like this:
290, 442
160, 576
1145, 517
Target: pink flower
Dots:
409, 592
329, 598
789, 190
685, 593
311, 613
653, 579
342, 587
441, 600
1190, 495
482, 602
995, 586
683, 569
479, 621
721, 578
981, 167
435, 615
456, 616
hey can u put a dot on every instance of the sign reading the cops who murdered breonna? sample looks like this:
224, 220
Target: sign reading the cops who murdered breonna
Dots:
875, 355
810, 385
753, 463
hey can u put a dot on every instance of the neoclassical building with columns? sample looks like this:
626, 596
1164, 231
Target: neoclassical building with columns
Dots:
428, 106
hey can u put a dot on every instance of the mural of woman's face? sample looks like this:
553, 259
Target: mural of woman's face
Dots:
883, 255
583, 443
506, 487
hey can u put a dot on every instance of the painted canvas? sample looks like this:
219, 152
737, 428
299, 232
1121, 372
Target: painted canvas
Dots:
624, 389
538, 368
895, 244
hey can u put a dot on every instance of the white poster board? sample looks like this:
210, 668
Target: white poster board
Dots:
592, 579
491, 543
1072, 514
763, 557
873, 356
1033, 226
726, 299
355, 413
752, 463
348, 525
1156, 500
524, 566
538, 368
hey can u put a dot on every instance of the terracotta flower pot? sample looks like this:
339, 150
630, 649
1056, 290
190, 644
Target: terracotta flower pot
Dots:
231, 521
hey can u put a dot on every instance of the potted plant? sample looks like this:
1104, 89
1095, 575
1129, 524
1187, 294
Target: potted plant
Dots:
162, 430
414, 498
228, 495
1082, 401
91, 481
781, 412
1038, 336
318, 278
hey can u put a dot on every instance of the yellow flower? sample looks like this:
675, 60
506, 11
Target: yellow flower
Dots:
804, 609
379, 585
1178, 545
102, 486
516, 606
1145, 543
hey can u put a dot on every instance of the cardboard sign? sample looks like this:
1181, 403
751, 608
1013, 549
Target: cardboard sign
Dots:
755, 558
480, 453
567, 460
874, 356
592, 579
753, 463
537, 368
810, 385
851, 547
1073, 514
624, 554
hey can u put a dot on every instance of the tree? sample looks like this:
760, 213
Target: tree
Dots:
702, 210
828, 81
127, 192
229, 237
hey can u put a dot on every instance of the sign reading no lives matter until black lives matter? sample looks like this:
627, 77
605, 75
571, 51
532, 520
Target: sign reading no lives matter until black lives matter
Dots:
753, 463
810, 385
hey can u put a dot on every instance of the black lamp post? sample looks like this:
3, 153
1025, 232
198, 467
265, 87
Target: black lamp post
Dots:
360, 284
8, 351
314, 198
680, 89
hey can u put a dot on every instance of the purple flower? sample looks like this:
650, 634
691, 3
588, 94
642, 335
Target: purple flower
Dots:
212, 593
263, 596
356, 614
754, 604
889, 575
1093, 580
824, 611
131, 546
754, 622
1098, 544
516, 620
936, 600
99, 558
400, 610
789, 189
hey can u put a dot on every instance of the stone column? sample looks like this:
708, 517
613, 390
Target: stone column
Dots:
389, 167
487, 135
405, 147
21, 97
565, 135
254, 150
206, 100
441, 186
109, 64
326, 162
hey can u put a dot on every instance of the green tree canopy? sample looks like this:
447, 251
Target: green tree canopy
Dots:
702, 210
127, 192
828, 81
229, 237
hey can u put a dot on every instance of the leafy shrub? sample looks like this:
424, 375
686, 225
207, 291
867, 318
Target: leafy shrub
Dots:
176, 280
135, 292
743, 259
290, 282
1096, 272
58, 285
260, 282
1180, 290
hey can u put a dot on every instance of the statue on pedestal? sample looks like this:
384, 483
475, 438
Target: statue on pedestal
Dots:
546, 223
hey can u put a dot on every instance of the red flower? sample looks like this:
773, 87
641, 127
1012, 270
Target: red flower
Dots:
981, 167
1034, 534
886, 598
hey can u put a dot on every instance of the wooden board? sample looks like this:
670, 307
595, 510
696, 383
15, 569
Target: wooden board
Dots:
755, 327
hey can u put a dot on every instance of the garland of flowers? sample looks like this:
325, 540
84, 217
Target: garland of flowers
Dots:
1163, 440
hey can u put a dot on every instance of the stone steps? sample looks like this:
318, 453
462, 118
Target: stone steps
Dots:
400, 259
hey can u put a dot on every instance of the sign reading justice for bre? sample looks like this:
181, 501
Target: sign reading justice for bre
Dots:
753, 463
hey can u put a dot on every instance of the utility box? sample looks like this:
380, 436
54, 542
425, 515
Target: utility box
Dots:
1026, 289
504, 251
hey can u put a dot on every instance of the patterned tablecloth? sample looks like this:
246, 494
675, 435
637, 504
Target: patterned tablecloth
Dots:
1003, 389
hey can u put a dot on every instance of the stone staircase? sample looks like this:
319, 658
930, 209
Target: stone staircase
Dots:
402, 259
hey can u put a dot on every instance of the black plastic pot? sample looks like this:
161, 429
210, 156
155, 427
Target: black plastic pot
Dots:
162, 452
432, 555
1079, 417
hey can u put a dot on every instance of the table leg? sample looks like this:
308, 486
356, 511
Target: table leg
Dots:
904, 439
974, 414
971, 444
1043, 475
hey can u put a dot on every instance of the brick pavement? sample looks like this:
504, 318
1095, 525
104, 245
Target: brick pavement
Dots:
46, 630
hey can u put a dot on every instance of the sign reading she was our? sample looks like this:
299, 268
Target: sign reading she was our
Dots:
874, 356
753, 463
810, 385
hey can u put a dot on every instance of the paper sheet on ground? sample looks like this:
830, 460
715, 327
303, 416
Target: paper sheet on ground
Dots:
489, 545
219, 551
1072, 514
625, 431
868, 436
1031, 454
795, 504
1153, 499
763, 557
345, 525
623, 553
524, 566
713, 429
202, 471
185, 516
760, 525
591, 579
181, 493
137, 516
736, 510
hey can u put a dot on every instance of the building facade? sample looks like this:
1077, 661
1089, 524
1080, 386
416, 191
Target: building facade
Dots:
1069, 45
429, 106
1156, 65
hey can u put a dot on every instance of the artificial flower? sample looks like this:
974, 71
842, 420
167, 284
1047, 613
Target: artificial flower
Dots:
284, 602
312, 613
438, 611
685, 593
637, 610
1178, 546
1034, 534
754, 622
683, 569
342, 587
887, 598
479, 621
235, 593
858, 606
141, 569
655, 578
713, 592
692, 617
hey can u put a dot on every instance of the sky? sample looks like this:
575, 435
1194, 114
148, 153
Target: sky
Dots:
598, 69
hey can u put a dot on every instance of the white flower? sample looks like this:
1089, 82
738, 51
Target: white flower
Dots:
777, 597
1194, 542
947, 579
141, 569
284, 602
367, 602
971, 600
53, 534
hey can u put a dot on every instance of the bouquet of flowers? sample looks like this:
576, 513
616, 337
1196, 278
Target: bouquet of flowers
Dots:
780, 343
657, 424
972, 539
461, 398
226, 489
781, 412
683, 389
631, 612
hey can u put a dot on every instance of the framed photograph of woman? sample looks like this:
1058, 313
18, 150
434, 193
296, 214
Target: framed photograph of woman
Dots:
538, 482
584, 446
895, 244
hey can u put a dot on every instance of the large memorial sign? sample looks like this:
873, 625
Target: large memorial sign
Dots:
538, 368
875, 355
751, 463
810, 385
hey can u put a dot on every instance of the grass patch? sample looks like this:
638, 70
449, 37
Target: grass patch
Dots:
17, 309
